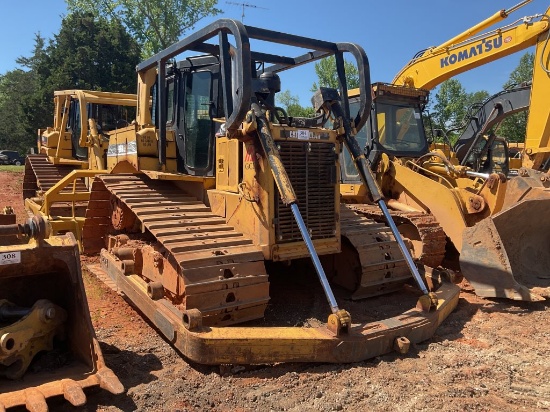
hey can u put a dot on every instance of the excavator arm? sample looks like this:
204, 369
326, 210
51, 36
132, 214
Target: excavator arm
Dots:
537, 137
471, 49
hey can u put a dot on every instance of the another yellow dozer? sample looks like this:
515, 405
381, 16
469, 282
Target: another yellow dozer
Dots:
73, 150
497, 229
221, 217
48, 347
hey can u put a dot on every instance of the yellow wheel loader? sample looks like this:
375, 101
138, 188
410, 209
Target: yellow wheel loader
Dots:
221, 219
56, 180
48, 347
496, 230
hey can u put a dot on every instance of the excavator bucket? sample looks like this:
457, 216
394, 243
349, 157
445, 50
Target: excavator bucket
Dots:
48, 347
508, 255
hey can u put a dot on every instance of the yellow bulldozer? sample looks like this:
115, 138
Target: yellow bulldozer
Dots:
221, 210
56, 180
48, 347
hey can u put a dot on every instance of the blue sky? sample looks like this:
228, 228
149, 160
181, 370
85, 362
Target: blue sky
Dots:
391, 32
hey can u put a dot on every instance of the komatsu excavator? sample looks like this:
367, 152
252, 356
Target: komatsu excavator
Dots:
55, 184
495, 236
221, 210
472, 49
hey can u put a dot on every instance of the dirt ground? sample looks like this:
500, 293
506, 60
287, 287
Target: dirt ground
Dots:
489, 355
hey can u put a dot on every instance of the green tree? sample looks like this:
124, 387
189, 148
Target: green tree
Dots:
155, 24
22, 107
452, 106
16, 86
514, 127
449, 107
292, 105
523, 72
92, 53
327, 75
87, 53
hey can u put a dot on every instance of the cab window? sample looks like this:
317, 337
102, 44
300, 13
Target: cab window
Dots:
197, 122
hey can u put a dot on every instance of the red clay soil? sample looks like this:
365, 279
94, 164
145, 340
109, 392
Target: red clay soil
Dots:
489, 355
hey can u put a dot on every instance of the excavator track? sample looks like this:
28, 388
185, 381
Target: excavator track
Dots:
374, 254
201, 262
426, 235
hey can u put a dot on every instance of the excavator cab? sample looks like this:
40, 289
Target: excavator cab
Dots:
489, 155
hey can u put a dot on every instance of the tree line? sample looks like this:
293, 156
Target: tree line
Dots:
100, 43
97, 47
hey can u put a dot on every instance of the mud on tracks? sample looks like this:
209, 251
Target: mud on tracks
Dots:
489, 355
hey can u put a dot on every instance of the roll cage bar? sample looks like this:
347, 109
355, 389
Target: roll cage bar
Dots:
239, 72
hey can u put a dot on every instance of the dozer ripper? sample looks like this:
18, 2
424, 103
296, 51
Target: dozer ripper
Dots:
489, 228
55, 184
220, 217
48, 347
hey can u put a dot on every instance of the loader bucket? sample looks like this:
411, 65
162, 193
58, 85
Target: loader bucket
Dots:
508, 255
48, 347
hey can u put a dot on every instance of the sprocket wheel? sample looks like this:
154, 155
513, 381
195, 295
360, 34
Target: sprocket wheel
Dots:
121, 215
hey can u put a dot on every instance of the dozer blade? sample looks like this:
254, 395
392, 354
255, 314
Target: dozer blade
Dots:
48, 347
508, 255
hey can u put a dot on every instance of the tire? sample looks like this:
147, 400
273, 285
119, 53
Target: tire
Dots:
17, 163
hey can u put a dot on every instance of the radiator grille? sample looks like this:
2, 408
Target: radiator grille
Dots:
311, 168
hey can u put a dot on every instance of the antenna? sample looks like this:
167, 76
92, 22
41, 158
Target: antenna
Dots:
245, 5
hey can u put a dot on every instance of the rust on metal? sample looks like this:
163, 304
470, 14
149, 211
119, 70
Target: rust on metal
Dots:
52, 267
506, 255
255, 345
202, 262
373, 265
426, 235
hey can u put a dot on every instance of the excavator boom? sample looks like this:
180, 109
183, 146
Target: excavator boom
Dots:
435, 65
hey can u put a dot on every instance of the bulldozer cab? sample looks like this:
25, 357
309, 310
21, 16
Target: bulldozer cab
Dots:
192, 103
107, 117
68, 139
212, 87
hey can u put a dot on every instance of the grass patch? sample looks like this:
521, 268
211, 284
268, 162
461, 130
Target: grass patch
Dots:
12, 168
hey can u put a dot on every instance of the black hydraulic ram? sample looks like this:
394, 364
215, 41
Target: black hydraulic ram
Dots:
289, 199
331, 98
